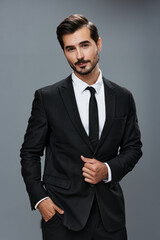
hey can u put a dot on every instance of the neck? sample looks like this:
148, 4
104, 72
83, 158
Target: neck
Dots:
90, 78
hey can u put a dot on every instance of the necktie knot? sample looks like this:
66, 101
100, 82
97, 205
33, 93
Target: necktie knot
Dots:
92, 90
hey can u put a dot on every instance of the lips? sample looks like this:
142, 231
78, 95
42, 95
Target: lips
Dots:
82, 64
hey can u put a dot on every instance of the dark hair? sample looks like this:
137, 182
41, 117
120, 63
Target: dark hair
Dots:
72, 24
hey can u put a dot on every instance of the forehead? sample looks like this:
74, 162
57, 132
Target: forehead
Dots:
82, 34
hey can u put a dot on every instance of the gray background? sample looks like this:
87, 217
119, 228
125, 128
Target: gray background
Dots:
30, 58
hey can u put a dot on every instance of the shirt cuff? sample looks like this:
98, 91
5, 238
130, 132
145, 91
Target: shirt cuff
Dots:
40, 202
109, 179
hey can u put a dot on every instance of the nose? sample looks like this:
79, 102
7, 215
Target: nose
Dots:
79, 54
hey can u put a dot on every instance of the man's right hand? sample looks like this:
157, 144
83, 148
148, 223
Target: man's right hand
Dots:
48, 209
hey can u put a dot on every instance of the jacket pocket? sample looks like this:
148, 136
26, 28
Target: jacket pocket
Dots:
58, 182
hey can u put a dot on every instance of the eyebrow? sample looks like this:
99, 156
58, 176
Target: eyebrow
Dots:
70, 46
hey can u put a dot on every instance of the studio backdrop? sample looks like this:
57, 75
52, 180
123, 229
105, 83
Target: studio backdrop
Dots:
31, 58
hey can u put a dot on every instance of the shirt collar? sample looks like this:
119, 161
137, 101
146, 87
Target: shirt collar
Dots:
81, 86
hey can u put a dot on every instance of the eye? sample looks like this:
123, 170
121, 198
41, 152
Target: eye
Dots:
85, 45
70, 49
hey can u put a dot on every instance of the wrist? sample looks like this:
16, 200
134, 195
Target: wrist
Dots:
39, 202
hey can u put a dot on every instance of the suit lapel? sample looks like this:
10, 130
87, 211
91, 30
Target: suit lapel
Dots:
110, 111
68, 96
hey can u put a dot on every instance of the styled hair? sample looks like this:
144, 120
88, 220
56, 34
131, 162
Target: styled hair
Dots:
73, 23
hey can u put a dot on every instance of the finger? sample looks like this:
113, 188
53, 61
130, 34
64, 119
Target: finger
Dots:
87, 160
88, 171
88, 180
58, 209
89, 166
86, 175
52, 207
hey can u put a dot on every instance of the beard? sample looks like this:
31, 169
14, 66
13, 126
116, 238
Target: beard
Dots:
83, 70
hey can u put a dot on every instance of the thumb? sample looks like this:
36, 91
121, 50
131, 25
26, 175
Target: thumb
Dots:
83, 158
86, 160
58, 209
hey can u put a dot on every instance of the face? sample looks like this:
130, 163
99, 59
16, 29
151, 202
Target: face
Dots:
81, 51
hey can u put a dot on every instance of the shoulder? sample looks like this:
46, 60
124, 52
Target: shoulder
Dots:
117, 89
51, 89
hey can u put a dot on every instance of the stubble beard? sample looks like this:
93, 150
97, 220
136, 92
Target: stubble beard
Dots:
83, 72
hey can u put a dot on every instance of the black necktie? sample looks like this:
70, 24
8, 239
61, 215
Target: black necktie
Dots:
93, 118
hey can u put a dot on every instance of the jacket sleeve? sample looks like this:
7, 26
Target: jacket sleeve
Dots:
130, 146
32, 149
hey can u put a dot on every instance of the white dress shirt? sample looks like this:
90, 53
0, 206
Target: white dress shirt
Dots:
82, 99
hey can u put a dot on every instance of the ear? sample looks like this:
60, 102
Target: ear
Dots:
99, 44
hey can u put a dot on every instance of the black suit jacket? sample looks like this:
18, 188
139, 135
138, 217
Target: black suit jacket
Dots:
55, 125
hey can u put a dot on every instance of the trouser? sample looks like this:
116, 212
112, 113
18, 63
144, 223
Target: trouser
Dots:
94, 230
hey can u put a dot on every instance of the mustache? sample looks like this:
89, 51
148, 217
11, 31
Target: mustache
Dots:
82, 61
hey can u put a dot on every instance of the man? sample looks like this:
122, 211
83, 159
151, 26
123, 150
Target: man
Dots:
88, 127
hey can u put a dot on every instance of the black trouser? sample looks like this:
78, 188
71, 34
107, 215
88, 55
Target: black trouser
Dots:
94, 230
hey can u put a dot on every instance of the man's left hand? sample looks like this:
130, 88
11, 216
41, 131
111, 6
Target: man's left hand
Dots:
94, 171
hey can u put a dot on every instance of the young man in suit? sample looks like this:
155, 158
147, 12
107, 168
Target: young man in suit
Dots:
88, 127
